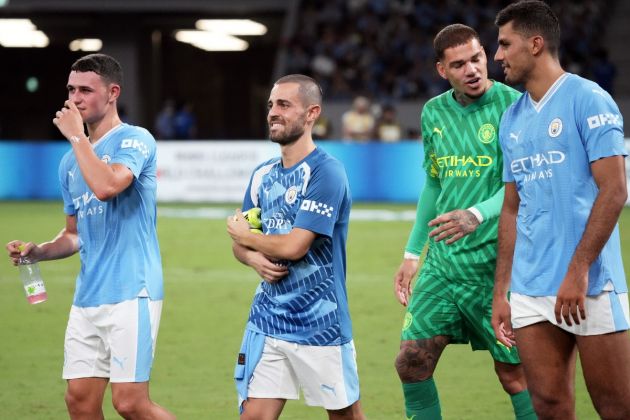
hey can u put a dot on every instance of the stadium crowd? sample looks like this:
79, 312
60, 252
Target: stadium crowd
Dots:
382, 48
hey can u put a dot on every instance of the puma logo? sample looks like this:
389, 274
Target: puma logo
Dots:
119, 362
330, 389
438, 130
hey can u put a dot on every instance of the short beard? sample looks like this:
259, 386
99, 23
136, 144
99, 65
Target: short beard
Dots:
290, 138
297, 130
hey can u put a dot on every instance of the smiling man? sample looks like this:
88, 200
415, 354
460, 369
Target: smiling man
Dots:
299, 334
461, 200
108, 184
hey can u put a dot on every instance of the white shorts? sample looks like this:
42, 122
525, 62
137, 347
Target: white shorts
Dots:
605, 313
114, 341
327, 375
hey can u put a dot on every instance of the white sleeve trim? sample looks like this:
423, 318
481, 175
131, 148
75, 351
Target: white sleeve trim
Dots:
409, 256
477, 214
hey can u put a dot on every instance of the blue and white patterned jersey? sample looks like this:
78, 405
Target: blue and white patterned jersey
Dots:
120, 255
547, 149
310, 305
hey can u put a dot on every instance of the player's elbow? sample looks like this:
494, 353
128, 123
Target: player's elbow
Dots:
294, 253
623, 195
105, 193
616, 194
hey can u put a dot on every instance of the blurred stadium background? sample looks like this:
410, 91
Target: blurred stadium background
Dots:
380, 49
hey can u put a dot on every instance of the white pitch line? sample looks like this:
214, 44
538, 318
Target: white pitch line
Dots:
215, 213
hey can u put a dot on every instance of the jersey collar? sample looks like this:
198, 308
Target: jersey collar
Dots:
474, 106
538, 106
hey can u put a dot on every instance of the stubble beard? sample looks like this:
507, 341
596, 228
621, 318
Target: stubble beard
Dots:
286, 139
291, 134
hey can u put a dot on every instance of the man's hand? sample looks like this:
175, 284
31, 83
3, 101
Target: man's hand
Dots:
270, 271
502, 321
69, 121
238, 227
453, 225
571, 297
402, 280
29, 248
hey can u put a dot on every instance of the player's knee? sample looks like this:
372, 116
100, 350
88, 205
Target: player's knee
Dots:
511, 377
552, 407
128, 408
79, 403
352, 412
254, 415
413, 365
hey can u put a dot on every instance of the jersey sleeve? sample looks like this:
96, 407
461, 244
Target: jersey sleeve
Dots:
136, 148
425, 212
600, 124
250, 200
68, 205
503, 141
491, 208
325, 194
429, 163
251, 192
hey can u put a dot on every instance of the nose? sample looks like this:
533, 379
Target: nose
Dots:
273, 111
498, 56
74, 97
470, 67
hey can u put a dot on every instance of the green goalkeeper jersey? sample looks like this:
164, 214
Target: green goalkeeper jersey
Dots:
462, 152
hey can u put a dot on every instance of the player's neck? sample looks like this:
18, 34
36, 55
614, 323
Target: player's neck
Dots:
297, 151
542, 78
98, 129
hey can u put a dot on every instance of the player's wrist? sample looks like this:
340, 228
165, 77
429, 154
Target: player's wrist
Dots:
411, 256
77, 138
476, 213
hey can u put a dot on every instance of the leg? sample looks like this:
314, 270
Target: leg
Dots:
131, 400
84, 398
353, 412
548, 356
606, 366
417, 359
262, 408
415, 365
512, 377
271, 384
433, 320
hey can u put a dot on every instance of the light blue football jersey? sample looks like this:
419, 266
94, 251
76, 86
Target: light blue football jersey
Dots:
120, 255
310, 305
548, 148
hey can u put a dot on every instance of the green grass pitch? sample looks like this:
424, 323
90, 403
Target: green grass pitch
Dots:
208, 294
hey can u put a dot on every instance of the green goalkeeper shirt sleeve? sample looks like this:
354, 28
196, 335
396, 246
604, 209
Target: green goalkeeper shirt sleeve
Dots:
425, 212
490, 208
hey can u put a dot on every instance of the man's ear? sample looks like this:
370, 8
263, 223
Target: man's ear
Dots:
313, 113
114, 92
537, 45
441, 70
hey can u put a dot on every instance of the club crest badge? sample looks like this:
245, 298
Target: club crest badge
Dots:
291, 195
555, 127
487, 133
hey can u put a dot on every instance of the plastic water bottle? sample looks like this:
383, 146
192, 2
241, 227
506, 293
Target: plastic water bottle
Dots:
32, 280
